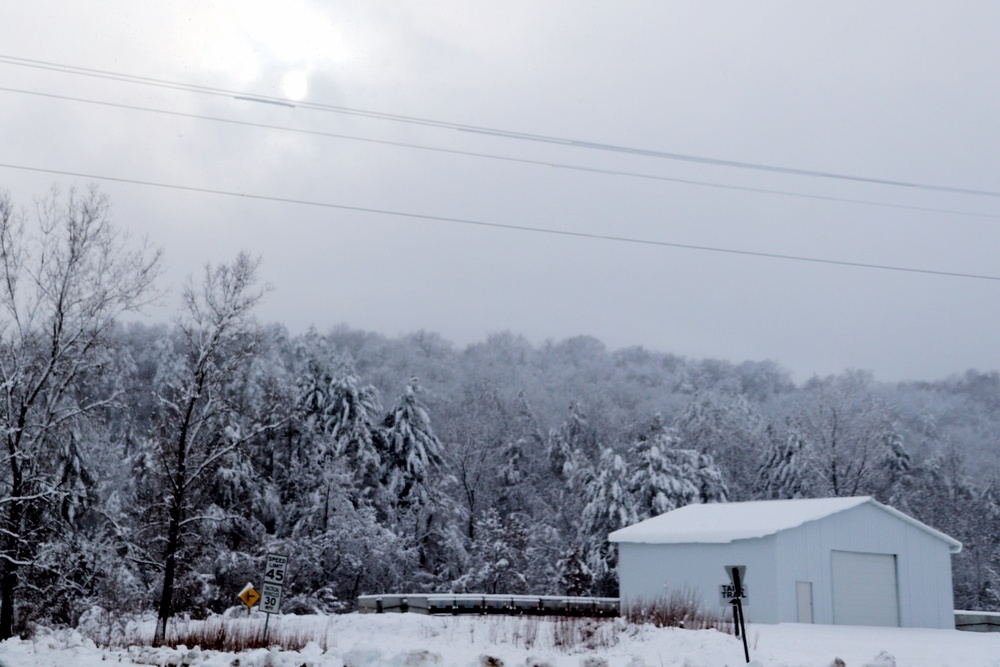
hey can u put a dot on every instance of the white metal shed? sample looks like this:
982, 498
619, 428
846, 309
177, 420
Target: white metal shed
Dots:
845, 561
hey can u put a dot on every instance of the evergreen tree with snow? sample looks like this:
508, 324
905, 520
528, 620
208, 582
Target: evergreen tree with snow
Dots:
896, 467
568, 448
712, 487
352, 416
496, 557
409, 450
411, 462
667, 476
730, 429
575, 578
336, 417
515, 475
609, 507
658, 483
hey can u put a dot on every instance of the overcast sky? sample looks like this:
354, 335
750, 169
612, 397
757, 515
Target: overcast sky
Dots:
891, 91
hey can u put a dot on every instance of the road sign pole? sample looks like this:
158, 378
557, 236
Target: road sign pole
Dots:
738, 585
274, 580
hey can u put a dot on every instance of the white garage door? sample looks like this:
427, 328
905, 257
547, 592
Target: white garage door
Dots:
864, 589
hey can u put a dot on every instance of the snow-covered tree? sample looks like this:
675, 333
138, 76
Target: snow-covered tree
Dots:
409, 450
666, 476
200, 428
475, 448
575, 578
728, 428
334, 403
943, 496
712, 487
609, 507
851, 438
497, 557
67, 277
340, 548
517, 474
783, 472
658, 482
352, 418
569, 447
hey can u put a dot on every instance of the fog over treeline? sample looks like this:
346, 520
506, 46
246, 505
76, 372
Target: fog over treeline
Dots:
149, 468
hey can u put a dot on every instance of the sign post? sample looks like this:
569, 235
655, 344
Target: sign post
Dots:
737, 575
274, 579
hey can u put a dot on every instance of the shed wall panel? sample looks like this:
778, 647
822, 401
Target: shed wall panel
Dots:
923, 564
647, 571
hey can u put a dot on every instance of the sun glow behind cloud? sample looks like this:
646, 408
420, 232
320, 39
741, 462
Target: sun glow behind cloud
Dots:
294, 38
295, 85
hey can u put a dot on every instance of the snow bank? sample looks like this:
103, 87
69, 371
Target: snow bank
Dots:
408, 640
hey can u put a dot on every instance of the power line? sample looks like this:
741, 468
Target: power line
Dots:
492, 156
498, 225
496, 132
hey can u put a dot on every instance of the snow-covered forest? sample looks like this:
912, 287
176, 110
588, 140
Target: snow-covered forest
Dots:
150, 467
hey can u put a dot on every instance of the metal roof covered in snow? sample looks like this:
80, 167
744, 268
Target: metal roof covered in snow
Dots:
727, 522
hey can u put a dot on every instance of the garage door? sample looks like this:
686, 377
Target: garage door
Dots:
864, 589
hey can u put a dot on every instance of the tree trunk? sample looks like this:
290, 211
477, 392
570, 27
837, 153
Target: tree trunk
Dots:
11, 546
8, 579
166, 609
169, 572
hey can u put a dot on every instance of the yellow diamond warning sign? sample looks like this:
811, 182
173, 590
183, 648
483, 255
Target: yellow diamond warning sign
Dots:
249, 595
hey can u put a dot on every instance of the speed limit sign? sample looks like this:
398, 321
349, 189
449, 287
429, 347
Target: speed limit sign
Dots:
274, 572
274, 579
270, 598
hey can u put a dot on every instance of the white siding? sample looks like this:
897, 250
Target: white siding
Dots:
923, 564
647, 571
776, 563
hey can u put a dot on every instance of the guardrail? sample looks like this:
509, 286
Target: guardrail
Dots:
470, 603
977, 621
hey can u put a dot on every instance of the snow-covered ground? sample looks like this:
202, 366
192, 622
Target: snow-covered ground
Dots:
409, 640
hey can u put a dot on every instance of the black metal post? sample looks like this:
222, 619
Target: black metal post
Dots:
738, 586
736, 618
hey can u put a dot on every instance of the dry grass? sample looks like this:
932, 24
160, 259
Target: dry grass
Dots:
586, 633
567, 634
563, 634
679, 609
235, 635
216, 634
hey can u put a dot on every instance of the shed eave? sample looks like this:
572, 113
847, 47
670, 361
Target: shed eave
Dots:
954, 546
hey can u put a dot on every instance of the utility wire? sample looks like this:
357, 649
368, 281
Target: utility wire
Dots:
492, 156
478, 129
498, 225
